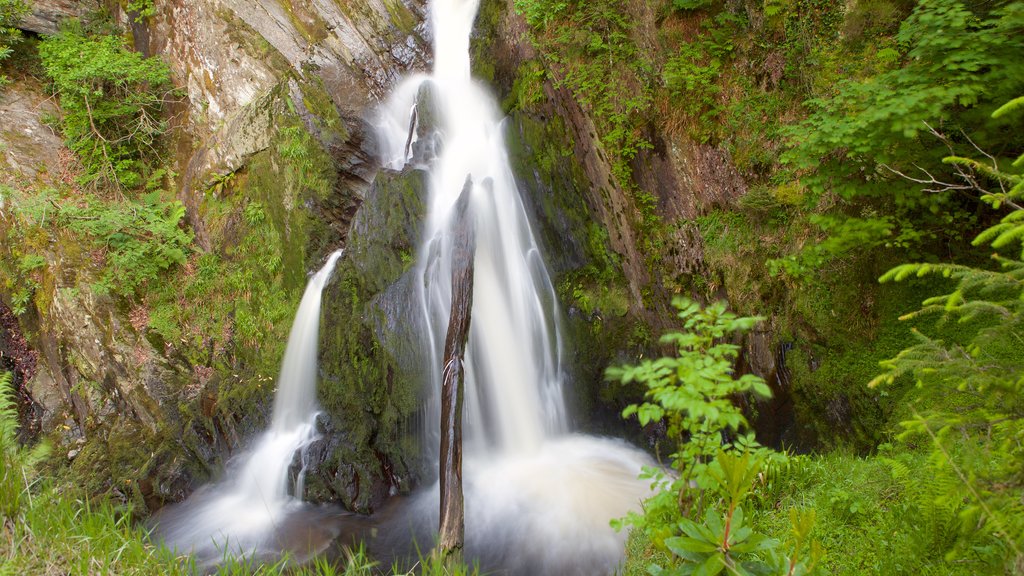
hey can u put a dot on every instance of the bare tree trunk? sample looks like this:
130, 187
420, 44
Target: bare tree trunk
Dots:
452, 525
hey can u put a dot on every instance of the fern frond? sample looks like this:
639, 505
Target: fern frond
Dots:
8, 412
1012, 105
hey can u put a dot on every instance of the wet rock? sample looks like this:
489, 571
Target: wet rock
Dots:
370, 354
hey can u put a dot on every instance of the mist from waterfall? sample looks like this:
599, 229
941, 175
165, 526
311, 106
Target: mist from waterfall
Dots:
538, 500
243, 514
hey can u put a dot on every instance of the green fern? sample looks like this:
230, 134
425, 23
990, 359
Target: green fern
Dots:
935, 503
16, 461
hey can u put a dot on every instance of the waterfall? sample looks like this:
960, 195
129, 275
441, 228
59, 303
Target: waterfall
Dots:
241, 514
538, 500
514, 398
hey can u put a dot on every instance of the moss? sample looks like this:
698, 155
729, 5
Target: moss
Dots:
115, 460
484, 41
323, 112
527, 88
306, 20
371, 361
401, 17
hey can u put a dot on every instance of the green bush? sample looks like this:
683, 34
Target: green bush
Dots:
111, 100
717, 462
11, 13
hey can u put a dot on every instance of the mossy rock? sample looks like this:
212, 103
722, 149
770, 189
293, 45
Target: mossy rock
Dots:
370, 356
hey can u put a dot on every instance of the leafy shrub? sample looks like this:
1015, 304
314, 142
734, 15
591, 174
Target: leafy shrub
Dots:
717, 462
111, 100
11, 12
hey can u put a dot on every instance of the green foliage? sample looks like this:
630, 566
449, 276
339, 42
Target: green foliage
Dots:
882, 514
11, 13
539, 13
843, 236
304, 172
982, 377
137, 239
693, 75
693, 81
874, 141
588, 49
528, 86
15, 459
235, 301
111, 100
723, 542
142, 9
692, 390
717, 465
691, 4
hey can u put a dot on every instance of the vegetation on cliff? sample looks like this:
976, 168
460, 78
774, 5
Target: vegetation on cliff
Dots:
866, 136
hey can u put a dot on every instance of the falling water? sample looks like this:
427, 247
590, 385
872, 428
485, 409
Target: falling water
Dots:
514, 396
242, 514
538, 501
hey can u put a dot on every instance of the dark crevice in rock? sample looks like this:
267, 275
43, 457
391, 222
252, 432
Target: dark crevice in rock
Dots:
20, 360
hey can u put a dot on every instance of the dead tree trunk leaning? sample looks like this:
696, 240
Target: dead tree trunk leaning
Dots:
452, 525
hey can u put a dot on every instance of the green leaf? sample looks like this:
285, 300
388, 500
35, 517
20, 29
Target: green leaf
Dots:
683, 545
713, 565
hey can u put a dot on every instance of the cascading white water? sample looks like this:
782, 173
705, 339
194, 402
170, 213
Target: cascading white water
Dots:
538, 501
240, 514
514, 396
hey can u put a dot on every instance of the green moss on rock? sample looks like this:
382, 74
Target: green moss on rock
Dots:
370, 357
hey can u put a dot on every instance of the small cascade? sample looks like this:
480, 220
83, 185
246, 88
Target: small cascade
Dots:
242, 514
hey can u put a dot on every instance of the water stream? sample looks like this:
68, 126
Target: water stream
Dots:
244, 515
538, 500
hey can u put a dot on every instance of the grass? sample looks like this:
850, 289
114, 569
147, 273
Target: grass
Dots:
868, 521
49, 528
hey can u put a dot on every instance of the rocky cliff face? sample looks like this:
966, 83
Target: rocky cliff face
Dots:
273, 119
